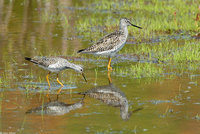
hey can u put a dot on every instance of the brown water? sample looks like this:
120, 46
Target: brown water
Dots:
143, 105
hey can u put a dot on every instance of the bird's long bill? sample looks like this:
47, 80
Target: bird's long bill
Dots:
84, 77
136, 26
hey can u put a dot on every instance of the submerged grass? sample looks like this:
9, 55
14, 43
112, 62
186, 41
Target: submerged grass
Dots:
22, 125
96, 74
197, 117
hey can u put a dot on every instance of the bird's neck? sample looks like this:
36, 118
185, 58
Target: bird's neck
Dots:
69, 65
73, 66
124, 29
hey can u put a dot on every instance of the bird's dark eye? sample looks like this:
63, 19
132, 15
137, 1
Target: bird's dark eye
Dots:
81, 70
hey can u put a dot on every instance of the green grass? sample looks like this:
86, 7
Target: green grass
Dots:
156, 17
171, 51
175, 57
140, 70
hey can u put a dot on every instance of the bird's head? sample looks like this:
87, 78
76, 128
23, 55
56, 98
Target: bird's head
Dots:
124, 22
79, 69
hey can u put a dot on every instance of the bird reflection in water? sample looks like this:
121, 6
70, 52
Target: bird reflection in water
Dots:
113, 96
56, 107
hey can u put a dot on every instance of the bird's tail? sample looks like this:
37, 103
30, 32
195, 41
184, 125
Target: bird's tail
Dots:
79, 51
82, 93
27, 58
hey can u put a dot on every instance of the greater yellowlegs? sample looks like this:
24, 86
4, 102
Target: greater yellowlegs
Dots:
55, 64
110, 44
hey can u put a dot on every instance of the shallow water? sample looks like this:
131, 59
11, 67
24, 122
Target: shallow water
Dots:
166, 104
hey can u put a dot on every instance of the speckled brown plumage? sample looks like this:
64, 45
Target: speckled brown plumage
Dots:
106, 43
45, 61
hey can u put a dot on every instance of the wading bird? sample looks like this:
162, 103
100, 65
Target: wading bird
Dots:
55, 64
110, 44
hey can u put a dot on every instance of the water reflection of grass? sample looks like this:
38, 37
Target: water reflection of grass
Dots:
53, 17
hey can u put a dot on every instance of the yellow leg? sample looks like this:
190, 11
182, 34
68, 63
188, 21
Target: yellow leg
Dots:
109, 78
59, 81
47, 77
48, 95
59, 90
109, 63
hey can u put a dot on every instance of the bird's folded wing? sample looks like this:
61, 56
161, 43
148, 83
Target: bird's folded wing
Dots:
106, 43
45, 61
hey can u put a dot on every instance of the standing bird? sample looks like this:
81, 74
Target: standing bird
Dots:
110, 44
55, 64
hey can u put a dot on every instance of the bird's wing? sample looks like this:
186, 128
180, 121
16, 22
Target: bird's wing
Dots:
44, 61
108, 42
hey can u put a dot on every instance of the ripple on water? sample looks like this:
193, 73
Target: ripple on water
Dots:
163, 101
37, 87
86, 114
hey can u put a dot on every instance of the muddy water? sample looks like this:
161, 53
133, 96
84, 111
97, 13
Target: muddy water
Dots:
127, 105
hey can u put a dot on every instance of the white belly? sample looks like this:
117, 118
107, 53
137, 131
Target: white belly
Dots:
111, 52
51, 69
